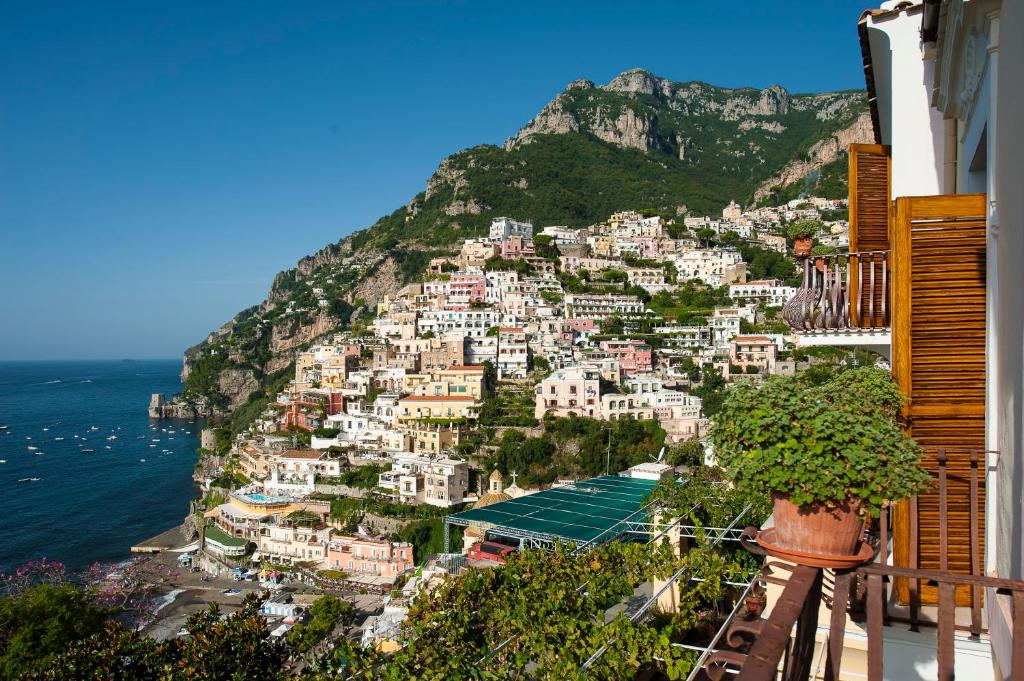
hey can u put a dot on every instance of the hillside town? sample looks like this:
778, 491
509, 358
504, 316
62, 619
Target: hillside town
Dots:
343, 481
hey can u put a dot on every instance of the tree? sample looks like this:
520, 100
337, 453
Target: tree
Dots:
40, 622
711, 390
705, 235
687, 453
235, 647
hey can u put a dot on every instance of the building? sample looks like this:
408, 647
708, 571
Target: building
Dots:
446, 407
297, 470
599, 306
513, 353
763, 291
419, 479
503, 228
375, 556
753, 351
573, 390
633, 356
295, 540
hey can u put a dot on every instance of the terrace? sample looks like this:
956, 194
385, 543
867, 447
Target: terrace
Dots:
880, 620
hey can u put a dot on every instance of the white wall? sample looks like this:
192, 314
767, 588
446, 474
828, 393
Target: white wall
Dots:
904, 86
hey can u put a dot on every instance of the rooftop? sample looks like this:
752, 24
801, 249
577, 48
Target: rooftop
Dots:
215, 534
588, 510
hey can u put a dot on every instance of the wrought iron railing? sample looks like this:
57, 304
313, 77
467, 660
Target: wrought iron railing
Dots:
849, 291
878, 596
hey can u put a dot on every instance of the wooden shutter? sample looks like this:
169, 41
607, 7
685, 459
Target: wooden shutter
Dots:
870, 173
938, 360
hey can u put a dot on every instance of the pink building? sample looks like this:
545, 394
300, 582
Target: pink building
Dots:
467, 288
756, 351
634, 356
573, 390
515, 247
369, 556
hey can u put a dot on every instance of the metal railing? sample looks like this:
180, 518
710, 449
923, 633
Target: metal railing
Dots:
849, 291
877, 595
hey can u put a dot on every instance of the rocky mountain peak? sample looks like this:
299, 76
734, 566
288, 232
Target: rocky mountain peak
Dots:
635, 81
580, 84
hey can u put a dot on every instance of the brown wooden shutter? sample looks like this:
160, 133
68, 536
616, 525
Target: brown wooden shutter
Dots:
870, 168
938, 360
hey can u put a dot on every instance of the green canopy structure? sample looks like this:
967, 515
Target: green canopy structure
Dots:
587, 512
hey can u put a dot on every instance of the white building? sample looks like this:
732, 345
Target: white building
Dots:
503, 228
766, 291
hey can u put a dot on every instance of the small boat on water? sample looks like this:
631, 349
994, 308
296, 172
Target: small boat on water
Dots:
29, 479
142, 461
88, 451
3, 460
32, 449
3, 427
107, 447
58, 439
93, 428
45, 429
112, 437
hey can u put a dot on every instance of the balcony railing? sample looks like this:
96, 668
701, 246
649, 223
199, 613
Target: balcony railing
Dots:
877, 597
849, 291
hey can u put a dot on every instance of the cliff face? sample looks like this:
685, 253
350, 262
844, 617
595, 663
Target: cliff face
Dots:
640, 141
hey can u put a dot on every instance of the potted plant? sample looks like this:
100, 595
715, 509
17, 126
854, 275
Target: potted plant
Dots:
802, 234
820, 250
829, 455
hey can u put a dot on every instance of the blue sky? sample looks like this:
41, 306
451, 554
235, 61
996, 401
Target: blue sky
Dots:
159, 164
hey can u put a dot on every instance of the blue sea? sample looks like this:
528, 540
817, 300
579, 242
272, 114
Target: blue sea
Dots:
89, 506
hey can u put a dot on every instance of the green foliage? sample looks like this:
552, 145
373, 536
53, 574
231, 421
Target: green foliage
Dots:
499, 264
820, 444
326, 433
365, 477
326, 613
711, 390
232, 648
509, 406
529, 456
426, 537
687, 453
548, 609
40, 623
804, 229
691, 303
632, 442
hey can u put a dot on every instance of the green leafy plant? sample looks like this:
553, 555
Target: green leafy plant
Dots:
820, 444
804, 229
821, 249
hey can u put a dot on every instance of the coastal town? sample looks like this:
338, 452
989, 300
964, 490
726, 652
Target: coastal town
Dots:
453, 396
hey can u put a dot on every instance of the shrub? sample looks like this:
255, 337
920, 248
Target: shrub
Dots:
821, 443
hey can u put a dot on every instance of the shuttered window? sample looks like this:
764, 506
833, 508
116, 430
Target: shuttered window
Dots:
938, 348
870, 168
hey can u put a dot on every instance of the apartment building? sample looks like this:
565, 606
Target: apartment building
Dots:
513, 353
599, 306
762, 291
418, 407
575, 390
503, 228
375, 556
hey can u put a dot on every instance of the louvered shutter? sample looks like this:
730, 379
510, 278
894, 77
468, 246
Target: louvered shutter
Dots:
869, 203
938, 360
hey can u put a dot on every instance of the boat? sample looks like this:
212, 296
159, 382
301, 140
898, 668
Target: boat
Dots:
93, 428
3, 427
112, 437
107, 447
45, 429
58, 439
142, 461
32, 449
3, 460
29, 479
88, 451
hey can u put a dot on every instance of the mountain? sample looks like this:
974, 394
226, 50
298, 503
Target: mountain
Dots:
639, 142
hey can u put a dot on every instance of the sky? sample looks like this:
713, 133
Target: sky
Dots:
160, 162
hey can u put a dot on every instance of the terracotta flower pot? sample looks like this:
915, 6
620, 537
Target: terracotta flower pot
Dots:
802, 247
816, 528
819, 264
755, 603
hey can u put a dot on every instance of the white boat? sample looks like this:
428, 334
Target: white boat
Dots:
142, 461
2, 427
112, 437
45, 429
58, 439
93, 428
3, 460
88, 451
107, 447
32, 449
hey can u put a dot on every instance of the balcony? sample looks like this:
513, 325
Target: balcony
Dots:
897, 616
844, 300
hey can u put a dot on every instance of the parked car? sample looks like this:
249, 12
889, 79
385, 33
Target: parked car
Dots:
489, 550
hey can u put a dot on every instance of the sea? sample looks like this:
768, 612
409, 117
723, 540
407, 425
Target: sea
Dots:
85, 473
